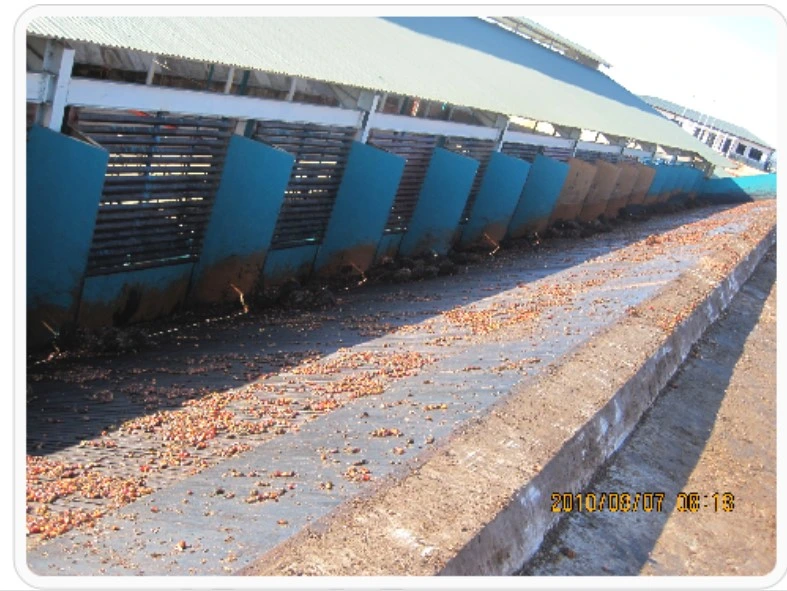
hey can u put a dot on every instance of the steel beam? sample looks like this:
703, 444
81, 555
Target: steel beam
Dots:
534, 139
430, 126
118, 95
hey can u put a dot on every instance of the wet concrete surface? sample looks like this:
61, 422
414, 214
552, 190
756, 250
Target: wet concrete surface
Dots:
459, 352
708, 448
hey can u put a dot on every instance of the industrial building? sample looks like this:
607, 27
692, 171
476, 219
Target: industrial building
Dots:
730, 140
191, 159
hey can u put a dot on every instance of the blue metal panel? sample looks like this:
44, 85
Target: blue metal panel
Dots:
735, 190
360, 212
64, 182
667, 181
242, 221
538, 198
123, 298
684, 179
289, 263
497, 199
672, 183
440, 203
697, 180
655, 189
678, 174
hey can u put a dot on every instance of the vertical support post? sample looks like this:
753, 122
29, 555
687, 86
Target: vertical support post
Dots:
244, 82
151, 71
381, 106
230, 77
244, 128
368, 116
58, 61
502, 135
291, 92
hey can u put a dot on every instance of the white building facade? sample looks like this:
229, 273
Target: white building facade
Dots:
734, 142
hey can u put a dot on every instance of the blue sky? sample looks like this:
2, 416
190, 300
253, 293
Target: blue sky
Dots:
717, 60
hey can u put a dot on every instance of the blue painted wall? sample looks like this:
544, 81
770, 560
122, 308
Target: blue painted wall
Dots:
669, 177
440, 203
686, 179
244, 215
735, 190
681, 179
672, 184
289, 263
697, 180
659, 180
539, 195
136, 296
361, 210
65, 178
497, 199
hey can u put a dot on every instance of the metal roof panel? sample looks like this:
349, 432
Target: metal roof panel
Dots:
424, 57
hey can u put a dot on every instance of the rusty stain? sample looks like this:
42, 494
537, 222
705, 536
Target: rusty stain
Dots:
623, 189
490, 235
575, 189
495, 231
43, 315
284, 271
437, 240
388, 247
600, 192
359, 257
214, 284
644, 181
136, 303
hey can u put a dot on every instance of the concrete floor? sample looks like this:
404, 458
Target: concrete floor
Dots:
196, 518
711, 432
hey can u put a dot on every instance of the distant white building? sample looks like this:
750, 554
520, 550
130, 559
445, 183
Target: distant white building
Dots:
733, 141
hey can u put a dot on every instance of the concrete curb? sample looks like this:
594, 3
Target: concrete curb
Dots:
502, 546
549, 435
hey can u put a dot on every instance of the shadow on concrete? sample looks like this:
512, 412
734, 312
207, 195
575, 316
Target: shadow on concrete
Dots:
660, 455
727, 191
67, 398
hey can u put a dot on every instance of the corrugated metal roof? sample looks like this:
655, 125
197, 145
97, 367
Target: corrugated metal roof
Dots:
719, 124
526, 25
424, 57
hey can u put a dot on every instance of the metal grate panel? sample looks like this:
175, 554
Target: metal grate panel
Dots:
478, 149
321, 153
159, 188
526, 152
592, 156
416, 149
556, 153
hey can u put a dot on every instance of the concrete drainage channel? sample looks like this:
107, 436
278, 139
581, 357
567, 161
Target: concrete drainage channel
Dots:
501, 441
502, 546
549, 435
